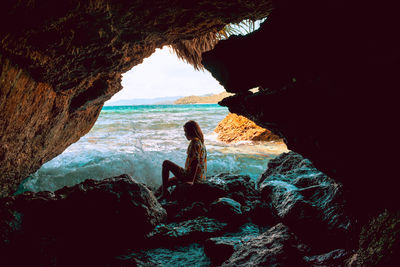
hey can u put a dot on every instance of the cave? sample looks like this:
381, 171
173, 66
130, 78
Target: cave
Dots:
327, 73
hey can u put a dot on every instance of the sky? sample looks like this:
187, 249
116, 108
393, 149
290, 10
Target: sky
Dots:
163, 75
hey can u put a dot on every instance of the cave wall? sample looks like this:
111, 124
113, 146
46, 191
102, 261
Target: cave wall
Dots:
329, 77
61, 60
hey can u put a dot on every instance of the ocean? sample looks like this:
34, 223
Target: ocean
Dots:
137, 139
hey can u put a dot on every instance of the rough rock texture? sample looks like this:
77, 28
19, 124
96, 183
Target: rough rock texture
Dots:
85, 223
379, 242
220, 196
219, 249
329, 77
308, 201
60, 60
276, 247
335, 258
235, 128
191, 231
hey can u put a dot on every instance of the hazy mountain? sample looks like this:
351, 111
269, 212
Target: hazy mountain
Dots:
144, 101
206, 99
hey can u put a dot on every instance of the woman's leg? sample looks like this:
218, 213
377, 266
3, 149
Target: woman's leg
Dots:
169, 166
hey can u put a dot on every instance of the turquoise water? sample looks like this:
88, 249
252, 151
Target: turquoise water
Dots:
136, 139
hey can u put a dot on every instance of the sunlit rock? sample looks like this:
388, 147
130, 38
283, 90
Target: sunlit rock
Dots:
234, 128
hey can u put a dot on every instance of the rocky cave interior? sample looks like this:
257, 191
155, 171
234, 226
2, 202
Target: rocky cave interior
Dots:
328, 72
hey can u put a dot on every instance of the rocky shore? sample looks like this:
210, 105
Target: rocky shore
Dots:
294, 215
234, 128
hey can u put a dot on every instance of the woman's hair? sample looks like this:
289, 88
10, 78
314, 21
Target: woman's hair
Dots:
193, 130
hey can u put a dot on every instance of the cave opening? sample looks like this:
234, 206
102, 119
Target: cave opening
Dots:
141, 126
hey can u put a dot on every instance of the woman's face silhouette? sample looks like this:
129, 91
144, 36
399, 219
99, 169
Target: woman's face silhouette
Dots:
188, 137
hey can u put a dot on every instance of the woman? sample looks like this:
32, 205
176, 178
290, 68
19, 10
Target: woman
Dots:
196, 161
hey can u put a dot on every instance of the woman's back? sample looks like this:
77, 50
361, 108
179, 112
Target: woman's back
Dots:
197, 150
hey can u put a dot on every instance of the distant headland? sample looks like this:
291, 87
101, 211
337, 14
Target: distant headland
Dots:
207, 99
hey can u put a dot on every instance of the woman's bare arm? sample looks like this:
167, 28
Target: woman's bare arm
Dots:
194, 169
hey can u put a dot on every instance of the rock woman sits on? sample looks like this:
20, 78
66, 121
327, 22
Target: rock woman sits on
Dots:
196, 161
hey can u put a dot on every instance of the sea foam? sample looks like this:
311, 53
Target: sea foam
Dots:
136, 140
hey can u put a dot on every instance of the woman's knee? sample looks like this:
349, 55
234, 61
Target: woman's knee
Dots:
166, 163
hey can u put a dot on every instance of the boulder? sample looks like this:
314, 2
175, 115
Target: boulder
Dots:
88, 221
335, 258
234, 128
219, 249
276, 247
226, 209
239, 188
182, 233
379, 243
308, 201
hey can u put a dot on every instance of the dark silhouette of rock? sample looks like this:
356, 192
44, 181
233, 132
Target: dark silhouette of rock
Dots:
319, 89
219, 249
335, 258
379, 242
226, 209
181, 233
85, 223
276, 247
308, 201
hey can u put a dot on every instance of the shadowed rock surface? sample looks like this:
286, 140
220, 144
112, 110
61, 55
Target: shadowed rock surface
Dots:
308, 201
379, 242
327, 73
85, 223
276, 247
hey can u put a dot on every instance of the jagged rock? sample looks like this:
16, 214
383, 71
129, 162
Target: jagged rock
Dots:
379, 242
188, 201
235, 128
324, 104
335, 258
226, 209
196, 209
276, 247
180, 233
219, 249
87, 222
308, 201
205, 192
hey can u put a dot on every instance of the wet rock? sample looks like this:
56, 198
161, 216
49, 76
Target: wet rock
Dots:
181, 233
306, 200
196, 209
91, 219
219, 249
226, 209
335, 258
276, 247
239, 188
206, 192
261, 213
189, 255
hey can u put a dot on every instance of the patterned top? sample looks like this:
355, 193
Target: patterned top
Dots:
197, 150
